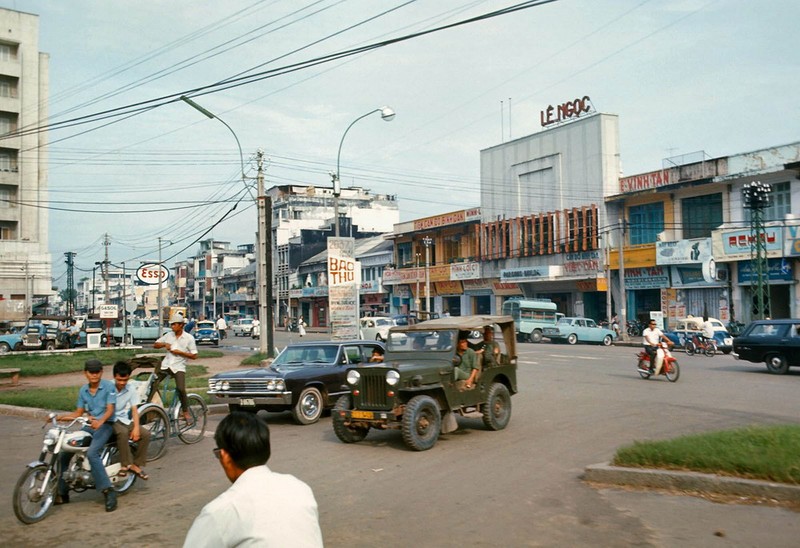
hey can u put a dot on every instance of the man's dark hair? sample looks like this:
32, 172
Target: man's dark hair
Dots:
122, 368
245, 437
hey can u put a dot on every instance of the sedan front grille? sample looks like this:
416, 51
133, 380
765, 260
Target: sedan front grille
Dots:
247, 386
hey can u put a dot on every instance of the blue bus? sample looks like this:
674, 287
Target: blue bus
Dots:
531, 316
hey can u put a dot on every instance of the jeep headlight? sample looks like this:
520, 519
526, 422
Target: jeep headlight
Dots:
392, 377
353, 377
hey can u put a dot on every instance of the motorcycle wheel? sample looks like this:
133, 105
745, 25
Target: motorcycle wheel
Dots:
673, 371
711, 349
690, 348
110, 458
29, 505
642, 368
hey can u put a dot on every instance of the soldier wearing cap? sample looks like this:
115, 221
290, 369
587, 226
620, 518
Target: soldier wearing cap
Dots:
180, 347
465, 361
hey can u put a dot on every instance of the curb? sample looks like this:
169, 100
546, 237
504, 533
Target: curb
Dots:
37, 413
691, 481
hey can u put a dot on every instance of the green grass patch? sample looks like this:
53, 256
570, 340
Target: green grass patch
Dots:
65, 397
769, 453
254, 359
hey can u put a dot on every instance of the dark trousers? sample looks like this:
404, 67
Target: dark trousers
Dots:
180, 385
651, 351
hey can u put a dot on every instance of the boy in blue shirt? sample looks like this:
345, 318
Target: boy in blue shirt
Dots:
97, 398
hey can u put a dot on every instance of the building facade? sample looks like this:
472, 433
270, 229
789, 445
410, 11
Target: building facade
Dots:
25, 270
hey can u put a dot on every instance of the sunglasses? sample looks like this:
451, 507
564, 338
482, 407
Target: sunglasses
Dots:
216, 451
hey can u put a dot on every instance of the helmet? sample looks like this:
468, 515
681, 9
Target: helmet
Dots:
177, 318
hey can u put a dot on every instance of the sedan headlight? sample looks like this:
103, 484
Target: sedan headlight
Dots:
392, 377
353, 377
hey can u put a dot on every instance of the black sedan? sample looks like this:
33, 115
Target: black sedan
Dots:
774, 342
304, 379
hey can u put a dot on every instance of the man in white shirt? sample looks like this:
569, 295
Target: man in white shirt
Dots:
652, 336
708, 329
262, 507
222, 326
180, 347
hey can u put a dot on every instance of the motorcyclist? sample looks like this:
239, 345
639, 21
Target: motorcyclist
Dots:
652, 336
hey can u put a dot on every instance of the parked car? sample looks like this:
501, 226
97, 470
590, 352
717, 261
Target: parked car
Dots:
206, 332
375, 328
414, 390
243, 327
574, 330
687, 328
138, 330
305, 379
773, 342
12, 341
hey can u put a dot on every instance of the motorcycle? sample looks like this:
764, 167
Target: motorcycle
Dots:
36, 489
669, 364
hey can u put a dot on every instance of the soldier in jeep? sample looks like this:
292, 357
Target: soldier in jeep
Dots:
465, 362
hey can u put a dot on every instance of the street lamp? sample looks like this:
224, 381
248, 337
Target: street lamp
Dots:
265, 309
388, 115
427, 241
756, 199
416, 275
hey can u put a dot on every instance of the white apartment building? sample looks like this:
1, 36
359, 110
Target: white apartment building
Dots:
25, 269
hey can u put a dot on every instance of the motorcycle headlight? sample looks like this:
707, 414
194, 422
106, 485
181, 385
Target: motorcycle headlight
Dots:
51, 437
353, 377
392, 377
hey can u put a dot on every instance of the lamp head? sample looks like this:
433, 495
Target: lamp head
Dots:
387, 113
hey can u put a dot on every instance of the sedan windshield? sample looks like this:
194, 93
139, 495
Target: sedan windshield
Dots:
305, 355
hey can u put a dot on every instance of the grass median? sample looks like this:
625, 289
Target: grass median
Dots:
770, 453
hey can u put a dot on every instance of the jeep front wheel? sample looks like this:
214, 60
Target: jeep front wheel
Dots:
497, 409
422, 423
347, 434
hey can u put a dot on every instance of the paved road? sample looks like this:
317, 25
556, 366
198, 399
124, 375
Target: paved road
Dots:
517, 487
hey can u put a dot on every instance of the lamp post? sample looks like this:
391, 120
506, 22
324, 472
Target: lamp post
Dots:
756, 199
265, 309
94, 277
427, 241
416, 275
388, 115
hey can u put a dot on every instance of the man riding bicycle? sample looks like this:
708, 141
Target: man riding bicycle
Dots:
180, 347
707, 334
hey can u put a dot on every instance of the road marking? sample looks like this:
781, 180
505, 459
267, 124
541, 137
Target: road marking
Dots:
527, 363
561, 356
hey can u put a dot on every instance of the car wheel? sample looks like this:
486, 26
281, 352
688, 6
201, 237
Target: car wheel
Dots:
4, 348
607, 340
345, 433
308, 408
18, 346
422, 423
777, 364
727, 351
50, 345
497, 409
216, 343
535, 336
572, 338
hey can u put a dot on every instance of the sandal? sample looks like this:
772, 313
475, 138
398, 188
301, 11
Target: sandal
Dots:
141, 475
122, 473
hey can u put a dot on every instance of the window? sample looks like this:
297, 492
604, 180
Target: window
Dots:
404, 255
8, 86
7, 231
8, 160
646, 221
701, 215
8, 52
8, 197
8, 122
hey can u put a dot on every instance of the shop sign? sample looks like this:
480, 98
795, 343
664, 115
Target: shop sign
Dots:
371, 286
737, 245
582, 264
344, 279
465, 271
778, 270
476, 285
529, 274
646, 278
645, 181
565, 111
311, 292
596, 284
791, 241
401, 291
447, 219
392, 276
501, 288
438, 273
683, 251
449, 288
692, 276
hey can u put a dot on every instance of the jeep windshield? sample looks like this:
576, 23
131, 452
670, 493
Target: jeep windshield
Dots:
302, 356
421, 341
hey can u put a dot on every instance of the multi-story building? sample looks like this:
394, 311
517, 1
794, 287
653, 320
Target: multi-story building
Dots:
299, 208
25, 270
204, 295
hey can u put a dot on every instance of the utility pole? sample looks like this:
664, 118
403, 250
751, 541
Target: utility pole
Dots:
756, 199
160, 312
106, 243
623, 313
264, 261
70, 282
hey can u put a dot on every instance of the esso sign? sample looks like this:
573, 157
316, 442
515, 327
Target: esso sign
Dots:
152, 274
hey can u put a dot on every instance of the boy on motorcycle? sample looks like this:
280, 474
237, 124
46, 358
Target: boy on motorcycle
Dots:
97, 398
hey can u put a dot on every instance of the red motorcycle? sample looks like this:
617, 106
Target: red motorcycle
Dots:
669, 364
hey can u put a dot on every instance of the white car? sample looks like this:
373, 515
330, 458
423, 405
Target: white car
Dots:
243, 327
375, 328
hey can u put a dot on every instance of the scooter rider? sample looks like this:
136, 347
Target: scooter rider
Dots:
97, 398
652, 336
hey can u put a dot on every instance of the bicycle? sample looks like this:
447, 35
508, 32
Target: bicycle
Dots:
696, 346
162, 423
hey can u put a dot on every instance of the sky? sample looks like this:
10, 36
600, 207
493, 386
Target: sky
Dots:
719, 76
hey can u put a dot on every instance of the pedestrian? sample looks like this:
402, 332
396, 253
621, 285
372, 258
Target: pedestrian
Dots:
97, 398
222, 325
301, 327
239, 516
190, 323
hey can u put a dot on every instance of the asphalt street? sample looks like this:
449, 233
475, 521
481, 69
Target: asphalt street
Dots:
516, 487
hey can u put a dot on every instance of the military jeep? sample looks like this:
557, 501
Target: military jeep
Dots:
415, 389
